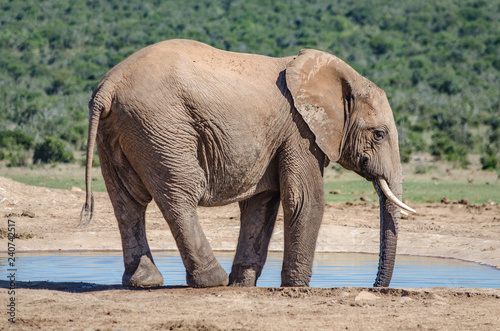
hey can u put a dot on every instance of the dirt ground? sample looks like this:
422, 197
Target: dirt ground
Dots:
47, 219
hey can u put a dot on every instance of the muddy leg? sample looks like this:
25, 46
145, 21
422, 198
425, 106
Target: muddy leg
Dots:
202, 268
140, 270
130, 198
302, 196
301, 227
258, 216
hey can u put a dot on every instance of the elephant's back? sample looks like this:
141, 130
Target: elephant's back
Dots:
185, 72
171, 60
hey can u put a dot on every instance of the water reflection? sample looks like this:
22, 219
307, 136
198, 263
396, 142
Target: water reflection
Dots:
330, 269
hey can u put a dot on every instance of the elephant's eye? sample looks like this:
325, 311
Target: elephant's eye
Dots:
378, 134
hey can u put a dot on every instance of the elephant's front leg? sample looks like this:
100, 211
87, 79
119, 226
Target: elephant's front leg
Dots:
301, 227
258, 215
303, 207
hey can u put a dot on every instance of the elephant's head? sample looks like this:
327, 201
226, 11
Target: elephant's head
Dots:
353, 125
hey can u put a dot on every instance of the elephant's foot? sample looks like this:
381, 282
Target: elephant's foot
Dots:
243, 276
213, 275
146, 275
294, 283
294, 280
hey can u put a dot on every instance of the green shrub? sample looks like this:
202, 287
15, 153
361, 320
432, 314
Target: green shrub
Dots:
445, 80
18, 159
405, 152
490, 160
443, 147
15, 139
422, 169
381, 44
52, 150
95, 161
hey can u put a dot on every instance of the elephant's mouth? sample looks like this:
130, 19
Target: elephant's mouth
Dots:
381, 185
366, 169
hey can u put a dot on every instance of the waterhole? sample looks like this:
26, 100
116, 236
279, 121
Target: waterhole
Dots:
330, 269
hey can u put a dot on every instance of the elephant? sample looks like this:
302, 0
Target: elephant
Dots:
190, 125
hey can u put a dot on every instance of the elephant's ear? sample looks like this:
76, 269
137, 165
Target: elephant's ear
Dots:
320, 85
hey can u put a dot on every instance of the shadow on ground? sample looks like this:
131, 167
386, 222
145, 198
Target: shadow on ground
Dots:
72, 287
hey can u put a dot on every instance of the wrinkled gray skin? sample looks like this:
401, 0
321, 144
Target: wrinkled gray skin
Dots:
186, 125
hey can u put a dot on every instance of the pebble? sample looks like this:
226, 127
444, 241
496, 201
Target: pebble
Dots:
366, 296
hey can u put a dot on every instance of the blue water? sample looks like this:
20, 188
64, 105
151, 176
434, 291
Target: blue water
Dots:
330, 269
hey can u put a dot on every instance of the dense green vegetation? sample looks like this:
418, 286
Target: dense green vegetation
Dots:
438, 61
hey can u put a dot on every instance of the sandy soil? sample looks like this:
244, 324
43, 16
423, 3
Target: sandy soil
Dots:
47, 219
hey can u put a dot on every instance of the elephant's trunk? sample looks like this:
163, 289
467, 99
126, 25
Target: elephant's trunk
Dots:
389, 220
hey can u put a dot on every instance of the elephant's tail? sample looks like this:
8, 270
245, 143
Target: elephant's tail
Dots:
99, 107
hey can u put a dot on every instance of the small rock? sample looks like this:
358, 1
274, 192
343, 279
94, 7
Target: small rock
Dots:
446, 201
438, 297
404, 300
344, 294
76, 189
28, 214
366, 296
463, 202
439, 303
365, 199
336, 192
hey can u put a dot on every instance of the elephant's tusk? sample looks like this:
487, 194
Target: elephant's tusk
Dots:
388, 193
376, 190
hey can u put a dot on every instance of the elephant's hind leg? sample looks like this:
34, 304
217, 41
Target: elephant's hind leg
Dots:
130, 199
202, 268
258, 216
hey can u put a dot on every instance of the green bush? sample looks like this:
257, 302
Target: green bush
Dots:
13, 140
445, 80
490, 160
18, 159
405, 153
52, 150
443, 147
96, 162
381, 44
